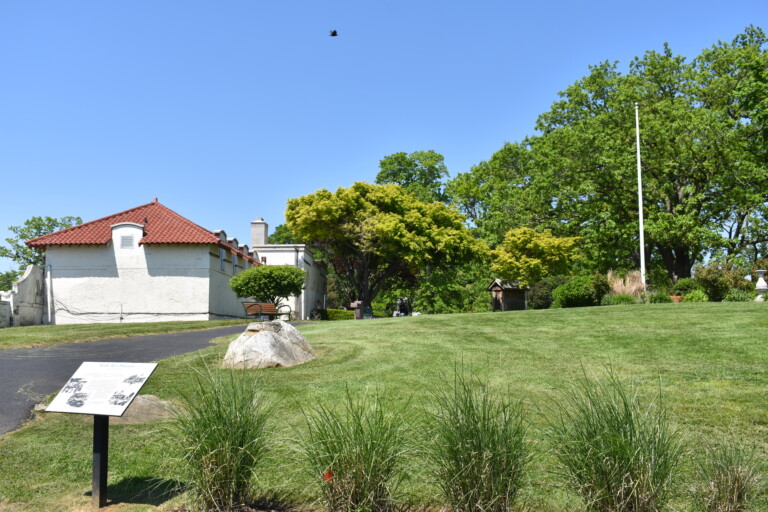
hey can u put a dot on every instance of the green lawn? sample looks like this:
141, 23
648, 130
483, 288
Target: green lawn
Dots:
710, 361
40, 335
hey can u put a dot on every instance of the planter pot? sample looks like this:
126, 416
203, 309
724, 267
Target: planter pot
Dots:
676, 298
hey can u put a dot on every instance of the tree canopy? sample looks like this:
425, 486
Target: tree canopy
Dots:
374, 234
24, 256
527, 256
420, 173
268, 283
283, 235
33, 228
704, 147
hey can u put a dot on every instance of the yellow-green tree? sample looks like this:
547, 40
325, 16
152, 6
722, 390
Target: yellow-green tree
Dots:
527, 256
372, 234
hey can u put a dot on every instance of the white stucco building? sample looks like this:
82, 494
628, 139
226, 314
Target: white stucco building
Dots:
146, 264
295, 255
150, 264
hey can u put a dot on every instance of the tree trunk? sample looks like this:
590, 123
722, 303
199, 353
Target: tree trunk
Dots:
677, 260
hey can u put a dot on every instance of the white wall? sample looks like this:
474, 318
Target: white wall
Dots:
315, 281
129, 284
224, 303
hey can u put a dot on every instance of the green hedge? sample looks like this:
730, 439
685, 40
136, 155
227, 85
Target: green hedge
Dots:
336, 314
581, 291
660, 298
621, 299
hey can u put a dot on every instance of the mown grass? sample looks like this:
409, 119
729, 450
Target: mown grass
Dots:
708, 361
42, 335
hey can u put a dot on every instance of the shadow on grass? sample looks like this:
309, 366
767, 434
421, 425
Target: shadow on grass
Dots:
143, 490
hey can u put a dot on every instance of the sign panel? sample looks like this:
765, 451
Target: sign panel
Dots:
105, 389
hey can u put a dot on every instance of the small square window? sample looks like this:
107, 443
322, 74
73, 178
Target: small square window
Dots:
126, 242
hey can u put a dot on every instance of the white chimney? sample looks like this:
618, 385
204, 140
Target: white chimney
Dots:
259, 230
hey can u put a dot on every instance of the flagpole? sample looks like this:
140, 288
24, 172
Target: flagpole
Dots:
640, 197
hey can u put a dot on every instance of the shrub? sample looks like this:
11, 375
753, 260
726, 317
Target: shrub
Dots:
660, 298
335, 314
356, 455
729, 480
736, 295
269, 283
659, 280
621, 299
630, 284
716, 280
617, 455
684, 286
695, 296
540, 294
581, 291
478, 456
221, 428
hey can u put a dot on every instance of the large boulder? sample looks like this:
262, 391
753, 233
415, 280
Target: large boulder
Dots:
268, 345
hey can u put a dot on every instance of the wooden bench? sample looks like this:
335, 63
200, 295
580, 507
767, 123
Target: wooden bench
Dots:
257, 309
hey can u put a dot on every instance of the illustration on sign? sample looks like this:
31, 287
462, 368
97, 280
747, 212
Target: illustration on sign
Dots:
105, 389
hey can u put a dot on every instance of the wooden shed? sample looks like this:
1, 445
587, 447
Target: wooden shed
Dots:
506, 296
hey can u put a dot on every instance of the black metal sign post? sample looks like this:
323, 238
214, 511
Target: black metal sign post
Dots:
100, 460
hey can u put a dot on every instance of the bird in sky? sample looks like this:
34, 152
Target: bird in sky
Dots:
334, 33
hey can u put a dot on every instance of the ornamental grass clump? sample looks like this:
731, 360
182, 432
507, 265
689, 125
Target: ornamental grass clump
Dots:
222, 429
478, 454
618, 455
730, 479
356, 454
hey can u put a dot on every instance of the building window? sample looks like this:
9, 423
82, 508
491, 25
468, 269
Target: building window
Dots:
126, 242
234, 263
222, 257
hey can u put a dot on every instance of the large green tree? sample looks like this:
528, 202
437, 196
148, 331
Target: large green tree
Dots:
498, 195
282, 235
22, 255
527, 256
373, 235
704, 129
420, 173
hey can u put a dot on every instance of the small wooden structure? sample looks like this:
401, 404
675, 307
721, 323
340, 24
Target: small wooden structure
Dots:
506, 296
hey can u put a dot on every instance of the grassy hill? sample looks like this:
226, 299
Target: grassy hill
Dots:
708, 361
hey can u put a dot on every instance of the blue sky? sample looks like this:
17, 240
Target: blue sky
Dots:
224, 110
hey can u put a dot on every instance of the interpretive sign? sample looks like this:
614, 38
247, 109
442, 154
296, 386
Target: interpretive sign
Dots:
105, 389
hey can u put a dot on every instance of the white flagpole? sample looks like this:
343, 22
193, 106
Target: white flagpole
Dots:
640, 197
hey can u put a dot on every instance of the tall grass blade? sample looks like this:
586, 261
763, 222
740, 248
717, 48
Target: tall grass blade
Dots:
618, 455
356, 454
730, 479
478, 453
222, 429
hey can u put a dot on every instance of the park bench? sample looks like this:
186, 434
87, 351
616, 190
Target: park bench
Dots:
268, 309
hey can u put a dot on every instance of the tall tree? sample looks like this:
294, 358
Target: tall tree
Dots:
527, 256
32, 228
372, 234
703, 146
282, 235
499, 194
420, 173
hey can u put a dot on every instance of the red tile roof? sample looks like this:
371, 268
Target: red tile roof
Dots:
161, 226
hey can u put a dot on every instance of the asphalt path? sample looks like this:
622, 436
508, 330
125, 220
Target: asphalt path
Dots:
27, 375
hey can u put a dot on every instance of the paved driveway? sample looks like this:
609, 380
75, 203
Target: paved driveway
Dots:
27, 375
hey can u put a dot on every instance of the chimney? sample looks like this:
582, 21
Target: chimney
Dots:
259, 230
